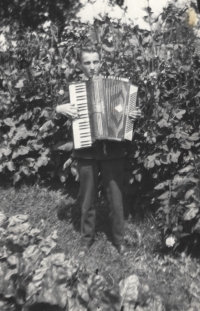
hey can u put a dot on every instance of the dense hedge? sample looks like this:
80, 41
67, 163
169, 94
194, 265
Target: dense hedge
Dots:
162, 161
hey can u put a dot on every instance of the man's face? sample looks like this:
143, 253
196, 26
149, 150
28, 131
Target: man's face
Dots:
90, 64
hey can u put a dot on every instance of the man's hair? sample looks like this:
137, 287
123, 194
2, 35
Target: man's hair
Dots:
88, 49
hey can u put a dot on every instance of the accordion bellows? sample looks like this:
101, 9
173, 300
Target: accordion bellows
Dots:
104, 105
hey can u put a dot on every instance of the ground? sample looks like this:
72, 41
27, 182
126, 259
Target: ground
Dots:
166, 275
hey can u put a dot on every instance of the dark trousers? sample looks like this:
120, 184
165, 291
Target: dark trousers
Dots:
112, 179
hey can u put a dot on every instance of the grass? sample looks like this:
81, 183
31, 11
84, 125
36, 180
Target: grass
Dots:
165, 275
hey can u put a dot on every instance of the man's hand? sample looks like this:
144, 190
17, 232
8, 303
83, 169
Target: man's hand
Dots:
68, 110
135, 114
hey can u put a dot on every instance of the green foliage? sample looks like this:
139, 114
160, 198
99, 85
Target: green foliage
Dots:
162, 161
33, 275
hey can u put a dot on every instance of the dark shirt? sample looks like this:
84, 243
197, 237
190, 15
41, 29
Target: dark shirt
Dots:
101, 150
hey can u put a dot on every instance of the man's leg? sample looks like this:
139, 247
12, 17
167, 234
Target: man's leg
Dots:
88, 172
112, 177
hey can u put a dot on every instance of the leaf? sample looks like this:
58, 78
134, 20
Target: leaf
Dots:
138, 177
179, 180
149, 164
67, 72
13, 260
107, 48
47, 126
18, 219
67, 163
64, 146
9, 122
16, 178
163, 123
21, 150
28, 162
52, 82
180, 114
157, 162
83, 292
174, 194
47, 245
191, 213
24, 169
36, 144
19, 84
36, 73
164, 196
3, 219
186, 169
131, 180
185, 145
197, 226
191, 205
193, 180
189, 193
75, 173
160, 186
26, 116
6, 151
164, 159
194, 137
10, 165
149, 161
63, 176
46, 112
31, 251
129, 289
174, 156
43, 160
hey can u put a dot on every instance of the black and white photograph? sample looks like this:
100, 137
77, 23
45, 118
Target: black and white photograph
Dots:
99, 155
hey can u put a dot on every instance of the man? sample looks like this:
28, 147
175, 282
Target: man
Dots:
105, 155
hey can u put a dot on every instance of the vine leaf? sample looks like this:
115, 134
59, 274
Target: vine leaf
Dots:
160, 186
67, 163
186, 169
43, 160
9, 122
10, 165
197, 226
189, 193
16, 178
46, 126
21, 150
191, 213
194, 137
164, 196
83, 292
180, 114
19, 84
129, 289
63, 146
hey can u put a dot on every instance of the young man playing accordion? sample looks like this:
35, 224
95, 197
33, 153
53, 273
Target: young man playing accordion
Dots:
108, 156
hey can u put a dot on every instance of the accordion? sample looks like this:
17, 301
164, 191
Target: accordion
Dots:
104, 105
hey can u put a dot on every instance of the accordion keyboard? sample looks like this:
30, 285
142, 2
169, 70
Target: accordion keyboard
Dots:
81, 126
131, 107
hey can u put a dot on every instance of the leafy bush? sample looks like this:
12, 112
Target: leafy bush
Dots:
162, 161
33, 276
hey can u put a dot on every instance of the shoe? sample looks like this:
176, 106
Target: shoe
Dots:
83, 250
122, 249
